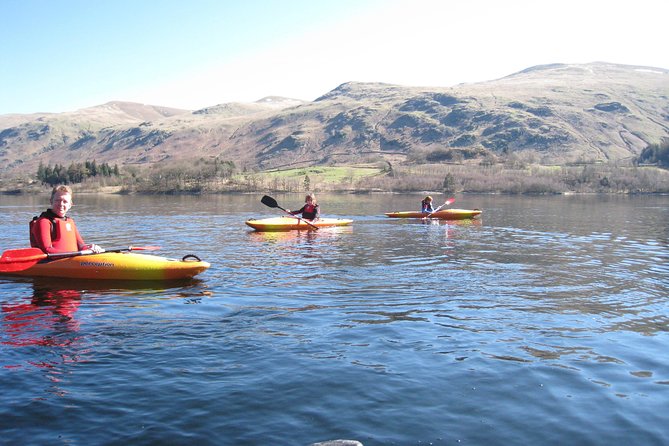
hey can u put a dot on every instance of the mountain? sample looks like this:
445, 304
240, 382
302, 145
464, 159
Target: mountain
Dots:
549, 114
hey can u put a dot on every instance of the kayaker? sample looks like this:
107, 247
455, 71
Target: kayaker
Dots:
310, 210
53, 231
426, 205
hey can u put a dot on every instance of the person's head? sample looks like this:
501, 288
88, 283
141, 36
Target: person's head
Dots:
427, 199
61, 200
310, 198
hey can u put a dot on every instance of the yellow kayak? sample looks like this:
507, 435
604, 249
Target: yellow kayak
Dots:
117, 266
444, 214
293, 223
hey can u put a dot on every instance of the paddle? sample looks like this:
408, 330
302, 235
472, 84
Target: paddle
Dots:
271, 202
449, 201
20, 259
14, 260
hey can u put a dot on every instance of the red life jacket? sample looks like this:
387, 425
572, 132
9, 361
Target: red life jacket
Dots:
63, 233
310, 211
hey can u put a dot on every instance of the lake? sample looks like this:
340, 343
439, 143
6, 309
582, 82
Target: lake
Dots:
544, 322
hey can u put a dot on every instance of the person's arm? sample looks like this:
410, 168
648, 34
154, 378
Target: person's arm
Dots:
318, 212
80, 241
299, 211
43, 235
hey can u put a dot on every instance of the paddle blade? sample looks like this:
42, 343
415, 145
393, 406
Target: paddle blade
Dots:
143, 248
269, 201
449, 201
14, 260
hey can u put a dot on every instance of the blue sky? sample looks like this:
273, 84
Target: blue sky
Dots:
62, 55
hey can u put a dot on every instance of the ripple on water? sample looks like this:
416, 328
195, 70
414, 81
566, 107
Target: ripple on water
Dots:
539, 325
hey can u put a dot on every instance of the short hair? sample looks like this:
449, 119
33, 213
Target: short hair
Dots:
61, 188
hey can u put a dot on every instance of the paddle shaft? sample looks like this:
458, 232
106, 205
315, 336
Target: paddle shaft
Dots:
447, 202
302, 219
86, 252
271, 202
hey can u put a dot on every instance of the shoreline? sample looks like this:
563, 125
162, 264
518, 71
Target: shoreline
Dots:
113, 190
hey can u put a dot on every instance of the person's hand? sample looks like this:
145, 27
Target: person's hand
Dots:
95, 248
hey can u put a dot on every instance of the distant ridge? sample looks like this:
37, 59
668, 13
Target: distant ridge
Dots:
549, 114
230, 109
554, 66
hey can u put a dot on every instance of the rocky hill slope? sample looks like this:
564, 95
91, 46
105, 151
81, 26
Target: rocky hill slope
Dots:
552, 114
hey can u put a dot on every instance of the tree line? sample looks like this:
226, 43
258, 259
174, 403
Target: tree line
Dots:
656, 154
74, 173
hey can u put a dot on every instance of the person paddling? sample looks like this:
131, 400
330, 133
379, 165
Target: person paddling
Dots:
310, 210
53, 231
426, 205
427, 209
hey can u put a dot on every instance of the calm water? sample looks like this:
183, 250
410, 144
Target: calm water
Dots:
544, 323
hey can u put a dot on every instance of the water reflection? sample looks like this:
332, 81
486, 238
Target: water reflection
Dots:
555, 309
48, 319
300, 236
46, 330
450, 227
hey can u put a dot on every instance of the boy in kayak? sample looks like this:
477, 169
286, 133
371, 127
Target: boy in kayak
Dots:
52, 231
310, 210
426, 205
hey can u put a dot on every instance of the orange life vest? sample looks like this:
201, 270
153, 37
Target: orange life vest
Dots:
63, 233
310, 211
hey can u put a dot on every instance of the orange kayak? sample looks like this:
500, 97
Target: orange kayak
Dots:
294, 223
117, 266
443, 214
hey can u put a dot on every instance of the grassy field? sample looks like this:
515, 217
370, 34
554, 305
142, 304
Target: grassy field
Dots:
332, 175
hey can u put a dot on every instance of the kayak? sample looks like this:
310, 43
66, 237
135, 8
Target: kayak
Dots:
444, 214
117, 266
293, 223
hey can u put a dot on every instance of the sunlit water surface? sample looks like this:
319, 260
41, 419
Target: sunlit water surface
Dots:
545, 322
